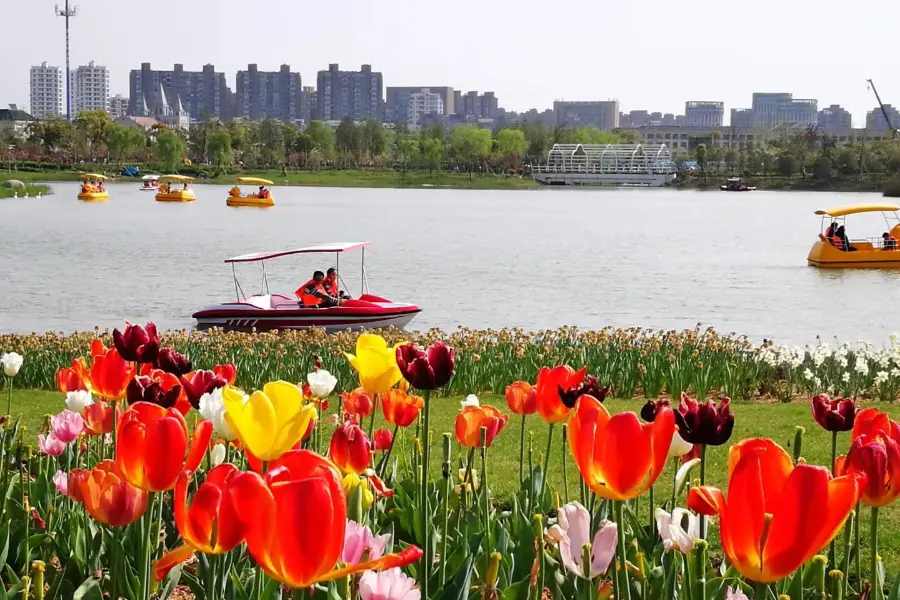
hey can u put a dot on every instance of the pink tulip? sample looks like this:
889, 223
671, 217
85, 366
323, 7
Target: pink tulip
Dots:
51, 445
573, 532
392, 584
737, 594
361, 544
61, 481
66, 426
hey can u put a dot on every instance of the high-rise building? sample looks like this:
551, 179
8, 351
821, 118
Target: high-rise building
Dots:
201, 93
118, 106
262, 94
875, 119
47, 91
421, 104
741, 117
478, 106
397, 100
353, 94
602, 114
834, 118
702, 113
773, 109
307, 103
90, 88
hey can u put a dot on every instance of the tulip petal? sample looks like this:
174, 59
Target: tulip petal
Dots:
286, 399
743, 520
199, 444
172, 559
253, 422
291, 432
624, 456
409, 555
603, 547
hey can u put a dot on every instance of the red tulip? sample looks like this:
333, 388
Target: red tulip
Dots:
350, 448
69, 380
383, 439
834, 415
158, 388
426, 370
357, 402
550, 384
521, 398
400, 408
98, 418
227, 371
137, 344
652, 408
107, 497
172, 362
110, 375
200, 382
874, 453
704, 423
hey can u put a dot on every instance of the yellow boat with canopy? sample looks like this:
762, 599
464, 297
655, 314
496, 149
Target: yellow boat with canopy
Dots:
92, 188
261, 198
834, 250
175, 188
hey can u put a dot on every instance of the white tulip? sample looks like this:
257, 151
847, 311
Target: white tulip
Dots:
679, 446
217, 455
321, 383
471, 400
673, 535
212, 408
76, 401
12, 362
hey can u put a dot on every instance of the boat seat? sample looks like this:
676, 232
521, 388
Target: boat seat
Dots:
264, 302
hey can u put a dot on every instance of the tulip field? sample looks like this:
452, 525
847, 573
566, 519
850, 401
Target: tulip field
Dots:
475, 465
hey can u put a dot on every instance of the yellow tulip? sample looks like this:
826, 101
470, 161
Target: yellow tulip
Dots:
270, 422
376, 364
353, 481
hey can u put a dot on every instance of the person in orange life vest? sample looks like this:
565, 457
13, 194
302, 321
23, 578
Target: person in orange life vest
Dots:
890, 242
829, 233
843, 241
331, 284
313, 292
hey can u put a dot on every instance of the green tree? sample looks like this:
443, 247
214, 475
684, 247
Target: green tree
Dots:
54, 135
270, 138
198, 138
823, 168
470, 145
374, 138
628, 137
787, 164
592, 135
511, 145
431, 153
92, 124
123, 142
323, 139
539, 140
169, 149
702, 152
240, 135
218, 148
347, 138
406, 152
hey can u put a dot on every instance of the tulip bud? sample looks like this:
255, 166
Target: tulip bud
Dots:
836, 585
783, 597
798, 442
25, 582
37, 569
814, 574
493, 570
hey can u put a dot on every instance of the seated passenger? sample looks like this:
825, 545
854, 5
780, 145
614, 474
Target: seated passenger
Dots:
845, 244
331, 284
890, 243
314, 294
829, 233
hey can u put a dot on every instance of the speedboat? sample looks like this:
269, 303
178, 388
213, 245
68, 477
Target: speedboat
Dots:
92, 188
262, 199
168, 192
267, 311
866, 253
151, 183
736, 184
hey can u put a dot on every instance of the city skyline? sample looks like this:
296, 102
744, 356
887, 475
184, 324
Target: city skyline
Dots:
504, 49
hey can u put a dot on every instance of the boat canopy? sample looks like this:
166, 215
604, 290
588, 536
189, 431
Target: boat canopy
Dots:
94, 176
150, 177
852, 209
255, 180
336, 247
178, 178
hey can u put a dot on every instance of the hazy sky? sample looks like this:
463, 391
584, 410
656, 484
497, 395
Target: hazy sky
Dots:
650, 54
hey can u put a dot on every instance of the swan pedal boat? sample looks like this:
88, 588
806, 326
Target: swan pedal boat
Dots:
235, 198
93, 179
868, 253
267, 311
170, 195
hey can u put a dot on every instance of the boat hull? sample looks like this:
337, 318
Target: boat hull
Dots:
250, 201
179, 196
825, 256
149, 189
94, 196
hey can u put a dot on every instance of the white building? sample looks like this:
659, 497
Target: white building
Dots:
118, 106
90, 88
421, 104
47, 91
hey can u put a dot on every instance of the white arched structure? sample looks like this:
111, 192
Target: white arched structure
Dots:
634, 164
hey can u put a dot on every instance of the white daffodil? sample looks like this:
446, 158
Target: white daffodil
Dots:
78, 400
672, 532
321, 383
212, 408
11, 362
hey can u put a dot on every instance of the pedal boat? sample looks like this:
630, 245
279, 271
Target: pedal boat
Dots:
168, 194
90, 188
151, 183
867, 253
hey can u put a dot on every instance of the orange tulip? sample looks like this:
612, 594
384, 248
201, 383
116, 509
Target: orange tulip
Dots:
471, 419
357, 402
98, 418
227, 371
777, 515
108, 498
550, 384
401, 408
152, 448
521, 398
295, 518
618, 457
874, 453
211, 524
69, 380
98, 348
110, 375
350, 448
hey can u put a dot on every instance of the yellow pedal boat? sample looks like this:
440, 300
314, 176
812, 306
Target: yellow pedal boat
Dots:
92, 188
834, 250
262, 199
168, 192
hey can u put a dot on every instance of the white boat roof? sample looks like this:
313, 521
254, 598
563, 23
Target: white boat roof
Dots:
150, 177
318, 249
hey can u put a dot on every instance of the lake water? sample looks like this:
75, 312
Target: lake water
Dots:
531, 259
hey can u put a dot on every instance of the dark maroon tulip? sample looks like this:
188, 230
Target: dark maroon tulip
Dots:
199, 383
137, 344
144, 389
428, 370
651, 409
834, 415
704, 422
590, 387
171, 362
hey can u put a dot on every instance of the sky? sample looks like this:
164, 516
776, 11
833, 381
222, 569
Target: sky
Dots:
648, 54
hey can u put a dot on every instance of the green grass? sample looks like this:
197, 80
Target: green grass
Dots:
30, 189
775, 421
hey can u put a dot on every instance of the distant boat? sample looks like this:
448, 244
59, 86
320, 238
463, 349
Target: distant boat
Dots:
736, 184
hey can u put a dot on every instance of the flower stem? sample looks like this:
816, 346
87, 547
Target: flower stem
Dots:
832, 555
857, 545
619, 508
702, 482
147, 524
521, 454
484, 487
540, 497
877, 590
674, 482
845, 561
9, 396
387, 455
761, 591
564, 471
445, 534
427, 557
652, 509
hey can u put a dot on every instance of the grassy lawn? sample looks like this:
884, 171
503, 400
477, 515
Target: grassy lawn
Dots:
776, 421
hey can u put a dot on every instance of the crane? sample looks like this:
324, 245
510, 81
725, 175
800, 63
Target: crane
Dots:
883, 111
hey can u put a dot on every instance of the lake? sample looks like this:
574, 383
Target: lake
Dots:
531, 259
